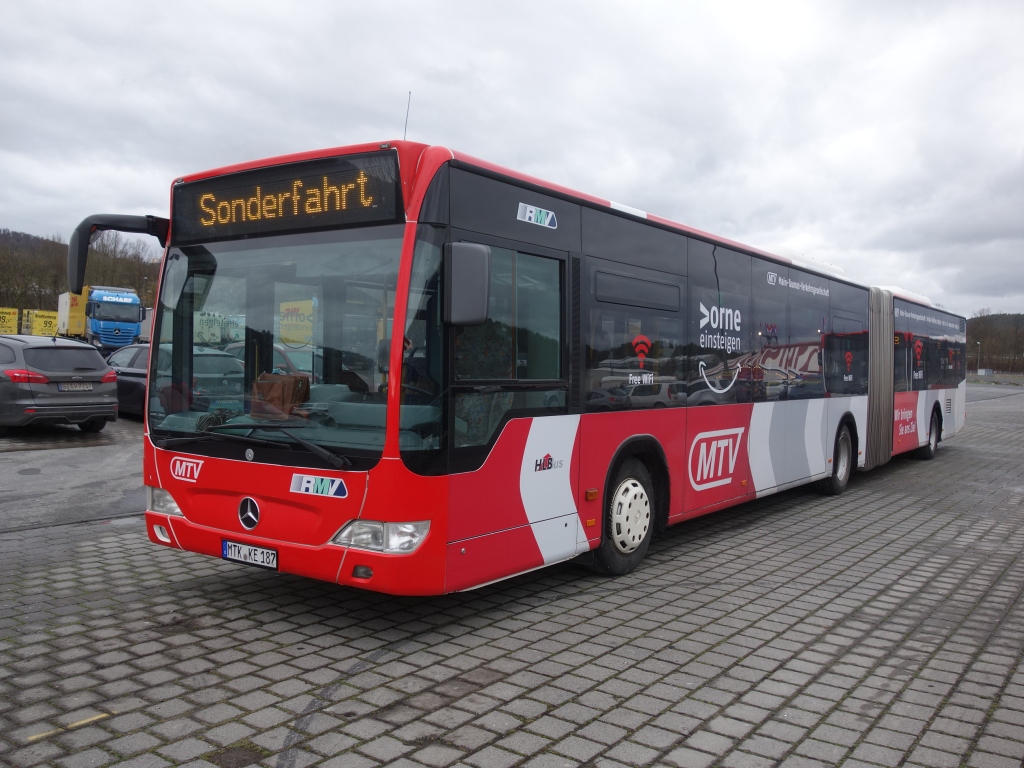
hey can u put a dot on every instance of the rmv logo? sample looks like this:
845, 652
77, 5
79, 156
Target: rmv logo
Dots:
713, 457
185, 469
539, 216
546, 463
319, 486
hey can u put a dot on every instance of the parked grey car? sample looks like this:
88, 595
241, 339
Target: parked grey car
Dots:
47, 380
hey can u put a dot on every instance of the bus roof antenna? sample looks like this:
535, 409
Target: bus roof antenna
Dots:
407, 105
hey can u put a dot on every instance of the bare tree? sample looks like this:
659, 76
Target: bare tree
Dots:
33, 270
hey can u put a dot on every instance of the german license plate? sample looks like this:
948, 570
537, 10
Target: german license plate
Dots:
74, 386
244, 553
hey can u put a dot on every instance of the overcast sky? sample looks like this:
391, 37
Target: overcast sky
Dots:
887, 138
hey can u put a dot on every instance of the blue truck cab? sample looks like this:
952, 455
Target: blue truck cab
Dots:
113, 318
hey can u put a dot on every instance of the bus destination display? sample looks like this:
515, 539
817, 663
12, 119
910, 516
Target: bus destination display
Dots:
341, 191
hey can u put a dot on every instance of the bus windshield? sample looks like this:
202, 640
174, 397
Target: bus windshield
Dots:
278, 334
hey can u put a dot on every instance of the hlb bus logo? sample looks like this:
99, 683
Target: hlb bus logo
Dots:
713, 457
319, 486
546, 463
185, 469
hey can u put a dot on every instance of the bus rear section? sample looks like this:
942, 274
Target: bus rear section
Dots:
403, 369
929, 376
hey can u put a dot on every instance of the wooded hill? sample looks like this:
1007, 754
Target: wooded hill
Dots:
34, 271
1002, 341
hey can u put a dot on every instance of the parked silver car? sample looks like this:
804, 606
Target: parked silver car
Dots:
47, 380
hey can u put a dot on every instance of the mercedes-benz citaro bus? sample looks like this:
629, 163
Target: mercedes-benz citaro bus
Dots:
497, 373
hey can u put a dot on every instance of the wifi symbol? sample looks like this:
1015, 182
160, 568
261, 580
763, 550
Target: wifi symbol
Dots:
641, 345
849, 360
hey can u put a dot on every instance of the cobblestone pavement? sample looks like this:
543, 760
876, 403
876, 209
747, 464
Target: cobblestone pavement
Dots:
61, 475
881, 628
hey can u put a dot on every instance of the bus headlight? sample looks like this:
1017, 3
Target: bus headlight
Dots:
161, 501
404, 537
396, 538
362, 534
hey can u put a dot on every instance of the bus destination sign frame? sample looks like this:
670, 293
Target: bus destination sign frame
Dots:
334, 192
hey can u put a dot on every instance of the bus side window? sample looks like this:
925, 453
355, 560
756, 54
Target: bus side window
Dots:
722, 329
771, 358
486, 351
846, 357
519, 343
808, 319
634, 339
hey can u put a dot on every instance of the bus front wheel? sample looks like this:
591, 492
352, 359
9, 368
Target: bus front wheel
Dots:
628, 520
842, 464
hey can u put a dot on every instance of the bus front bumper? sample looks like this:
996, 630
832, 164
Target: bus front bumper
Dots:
419, 573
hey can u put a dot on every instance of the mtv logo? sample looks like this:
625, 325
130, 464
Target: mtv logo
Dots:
772, 278
185, 469
713, 457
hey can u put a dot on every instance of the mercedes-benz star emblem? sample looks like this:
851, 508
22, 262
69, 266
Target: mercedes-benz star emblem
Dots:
117, 331
248, 513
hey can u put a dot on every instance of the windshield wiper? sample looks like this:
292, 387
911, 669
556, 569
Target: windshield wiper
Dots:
335, 460
170, 442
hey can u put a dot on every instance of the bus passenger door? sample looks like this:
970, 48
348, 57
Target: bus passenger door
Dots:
512, 442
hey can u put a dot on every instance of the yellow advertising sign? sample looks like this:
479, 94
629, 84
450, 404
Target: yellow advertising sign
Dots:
296, 326
8, 320
44, 323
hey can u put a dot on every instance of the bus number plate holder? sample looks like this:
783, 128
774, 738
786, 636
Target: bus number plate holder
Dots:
250, 555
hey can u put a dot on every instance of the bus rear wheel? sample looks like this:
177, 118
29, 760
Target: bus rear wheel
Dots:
927, 451
629, 520
842, 464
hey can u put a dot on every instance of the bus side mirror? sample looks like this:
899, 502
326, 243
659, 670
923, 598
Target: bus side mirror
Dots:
92, 226
467, 283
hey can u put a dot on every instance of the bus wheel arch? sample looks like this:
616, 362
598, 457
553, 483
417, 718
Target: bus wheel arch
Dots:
638, 472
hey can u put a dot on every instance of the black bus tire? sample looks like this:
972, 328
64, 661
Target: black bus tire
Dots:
927, 451
842, 464
628, 520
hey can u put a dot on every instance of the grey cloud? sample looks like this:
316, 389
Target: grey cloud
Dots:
885, 138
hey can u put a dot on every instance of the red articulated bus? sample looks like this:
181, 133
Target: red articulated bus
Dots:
491, 373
